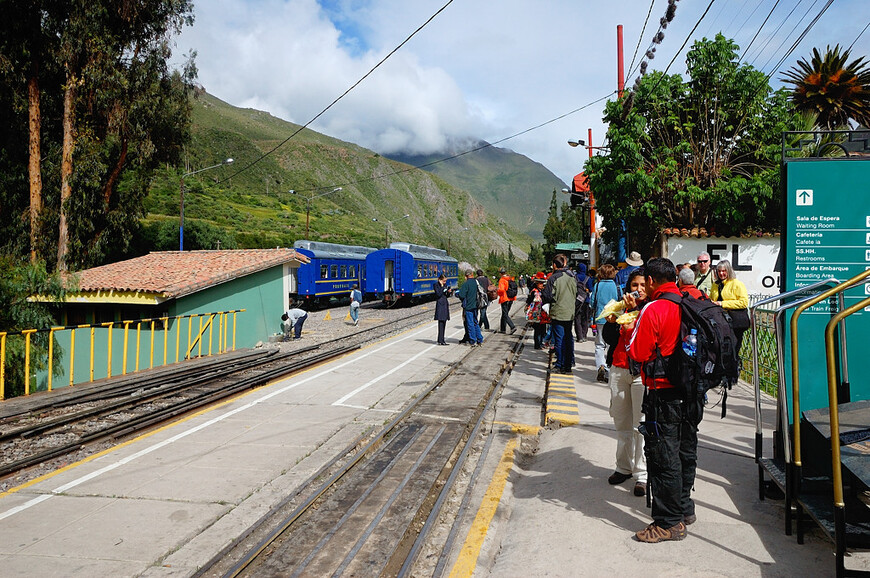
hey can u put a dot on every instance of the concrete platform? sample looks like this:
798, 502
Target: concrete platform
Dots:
556, 515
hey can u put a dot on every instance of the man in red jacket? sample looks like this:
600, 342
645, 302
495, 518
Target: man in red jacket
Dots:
670, 437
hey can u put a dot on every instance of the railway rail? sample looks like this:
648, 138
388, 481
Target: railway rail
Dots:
368, 511
51, 426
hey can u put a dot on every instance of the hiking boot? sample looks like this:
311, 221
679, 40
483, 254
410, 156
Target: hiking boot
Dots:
640, 490
513, 330
690, 519
617, 478
653, 534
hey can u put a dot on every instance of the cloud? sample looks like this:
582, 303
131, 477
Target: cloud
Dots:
478, 70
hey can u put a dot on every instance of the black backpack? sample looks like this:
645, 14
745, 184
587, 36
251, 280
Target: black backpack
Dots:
715, 361
582, 290
511, 289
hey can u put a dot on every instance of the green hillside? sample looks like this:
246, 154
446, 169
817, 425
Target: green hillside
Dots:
508, 184
256, 209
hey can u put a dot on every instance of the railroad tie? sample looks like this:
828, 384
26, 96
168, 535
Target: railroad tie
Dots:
561, 402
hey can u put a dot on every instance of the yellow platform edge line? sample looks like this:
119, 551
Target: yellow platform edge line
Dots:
470, 552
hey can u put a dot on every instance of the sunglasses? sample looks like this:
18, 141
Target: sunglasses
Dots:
703, 260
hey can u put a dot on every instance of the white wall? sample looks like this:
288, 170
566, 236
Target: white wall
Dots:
754, 259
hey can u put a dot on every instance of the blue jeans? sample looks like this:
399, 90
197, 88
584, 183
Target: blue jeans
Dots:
563, 342
474, 334
354, 313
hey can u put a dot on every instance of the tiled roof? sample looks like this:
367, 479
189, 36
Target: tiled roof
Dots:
701, 233
176, 273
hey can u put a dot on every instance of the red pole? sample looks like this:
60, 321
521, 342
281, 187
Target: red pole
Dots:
620, 71
591, 196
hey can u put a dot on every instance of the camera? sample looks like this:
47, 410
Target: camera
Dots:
635, 294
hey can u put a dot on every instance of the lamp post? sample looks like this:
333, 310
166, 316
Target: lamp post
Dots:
448, 239
593, 245
308, 204
181, 212
387, 228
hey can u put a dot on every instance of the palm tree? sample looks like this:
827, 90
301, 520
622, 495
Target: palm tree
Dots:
831, 87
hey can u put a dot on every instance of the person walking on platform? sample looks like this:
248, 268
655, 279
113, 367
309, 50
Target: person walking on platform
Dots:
561, 293
670, 426
633, 262
293, 319
605, 291
535, 314
484, 282
507, 294
468, 294
581, 307
355, 301
442, 307
626, 397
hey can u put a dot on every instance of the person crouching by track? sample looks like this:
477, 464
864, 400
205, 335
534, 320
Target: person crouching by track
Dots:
355, 302
626, 394
468, 294
293, 319
670, 426
561, 293
535, 314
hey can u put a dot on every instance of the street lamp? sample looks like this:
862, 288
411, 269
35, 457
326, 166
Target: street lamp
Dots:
387, 228
181, 220
308, 204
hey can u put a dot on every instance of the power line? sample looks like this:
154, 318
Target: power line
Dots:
789, 35
345, 93
859, 36
640, 38
467, 152
773, 34
746, 51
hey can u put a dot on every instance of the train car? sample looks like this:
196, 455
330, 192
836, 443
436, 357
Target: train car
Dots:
331, 273
407, 272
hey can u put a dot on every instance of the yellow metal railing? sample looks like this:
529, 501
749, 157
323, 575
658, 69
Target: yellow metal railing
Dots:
205, 323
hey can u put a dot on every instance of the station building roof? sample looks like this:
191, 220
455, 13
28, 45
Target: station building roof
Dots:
163, 275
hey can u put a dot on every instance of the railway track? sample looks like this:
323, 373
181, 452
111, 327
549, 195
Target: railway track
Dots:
368, 511
79, 418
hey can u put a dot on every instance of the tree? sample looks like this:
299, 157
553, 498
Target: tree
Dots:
703, 152
831, 87
552, 229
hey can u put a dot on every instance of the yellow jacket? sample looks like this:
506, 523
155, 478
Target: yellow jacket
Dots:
734, 294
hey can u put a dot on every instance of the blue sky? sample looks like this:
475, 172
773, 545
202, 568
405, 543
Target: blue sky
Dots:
481, 69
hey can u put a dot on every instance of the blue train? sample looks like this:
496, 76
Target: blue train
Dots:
407, 272
331, 273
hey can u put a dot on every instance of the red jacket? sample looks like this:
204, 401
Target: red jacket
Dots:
658, 324
693, 291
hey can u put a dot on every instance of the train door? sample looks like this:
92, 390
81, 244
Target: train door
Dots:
388, 276
291, 283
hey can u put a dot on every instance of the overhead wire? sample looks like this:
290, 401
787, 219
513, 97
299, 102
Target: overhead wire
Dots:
640, 38
345, 93
746, 51
776, 30
789, 35
859, 36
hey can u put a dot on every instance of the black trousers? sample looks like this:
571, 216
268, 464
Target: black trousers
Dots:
540, 331
506, 316
671, 450
441, 326
483, 321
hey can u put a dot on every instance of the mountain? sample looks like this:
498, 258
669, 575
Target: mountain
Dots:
252, 203
508, 184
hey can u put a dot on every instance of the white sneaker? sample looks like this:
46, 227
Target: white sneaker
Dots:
355, 323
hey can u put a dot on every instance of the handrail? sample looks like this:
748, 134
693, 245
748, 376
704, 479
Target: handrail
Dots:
833, 402
795, 377
756, 381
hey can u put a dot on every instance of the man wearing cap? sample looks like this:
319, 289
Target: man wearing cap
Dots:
505, 302
633, 262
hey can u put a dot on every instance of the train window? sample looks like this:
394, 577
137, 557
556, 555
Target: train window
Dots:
419, 270
333, 271
343, 274
351, 271
324, 271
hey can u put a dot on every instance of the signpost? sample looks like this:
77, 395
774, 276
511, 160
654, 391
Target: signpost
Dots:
826, 233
